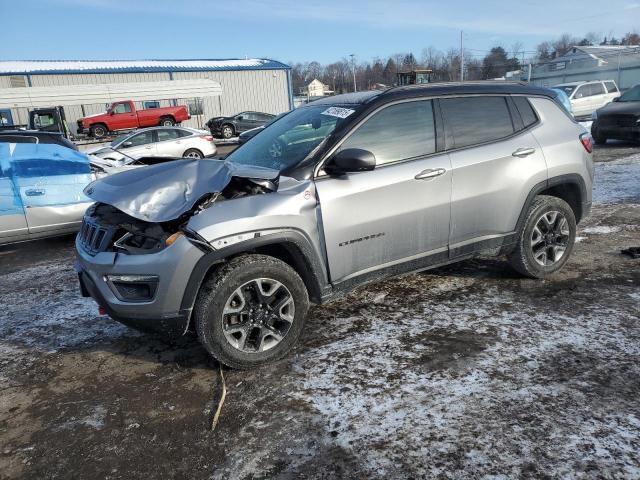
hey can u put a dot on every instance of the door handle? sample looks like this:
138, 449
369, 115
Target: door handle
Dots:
148, 148
34, 192
430, 173
524, 152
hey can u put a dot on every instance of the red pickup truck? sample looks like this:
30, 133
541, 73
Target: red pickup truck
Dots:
123, 115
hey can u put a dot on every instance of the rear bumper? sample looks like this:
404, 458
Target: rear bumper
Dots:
162, 312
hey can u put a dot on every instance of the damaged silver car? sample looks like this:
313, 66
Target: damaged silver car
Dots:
346, 190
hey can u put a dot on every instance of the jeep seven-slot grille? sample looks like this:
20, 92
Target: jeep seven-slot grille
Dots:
93, 237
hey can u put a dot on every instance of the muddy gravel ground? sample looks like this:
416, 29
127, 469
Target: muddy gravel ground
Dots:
466, 371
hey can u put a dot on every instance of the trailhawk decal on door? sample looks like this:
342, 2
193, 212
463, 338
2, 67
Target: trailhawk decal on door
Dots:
361, 239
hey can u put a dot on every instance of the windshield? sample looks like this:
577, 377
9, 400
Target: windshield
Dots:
119, 140
568, 89
288, 141
631, 95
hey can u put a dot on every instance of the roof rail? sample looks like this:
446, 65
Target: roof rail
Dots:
456, 83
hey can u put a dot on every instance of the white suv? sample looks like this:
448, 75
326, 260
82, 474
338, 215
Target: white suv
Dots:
587, 97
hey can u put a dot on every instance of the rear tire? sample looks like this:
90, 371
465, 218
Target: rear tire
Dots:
546, 240
167, 122
98, 131
193, 153
251, 311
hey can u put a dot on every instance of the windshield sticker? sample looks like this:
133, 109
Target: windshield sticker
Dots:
338, 112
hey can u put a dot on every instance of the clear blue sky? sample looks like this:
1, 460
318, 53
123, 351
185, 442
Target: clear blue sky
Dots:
290, 30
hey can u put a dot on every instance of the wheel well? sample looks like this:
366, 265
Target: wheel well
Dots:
291, 255
570, 193
170, 117
99, 124
228, 125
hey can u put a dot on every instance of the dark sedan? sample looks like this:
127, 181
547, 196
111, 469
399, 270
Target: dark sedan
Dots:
228, 127
619, 119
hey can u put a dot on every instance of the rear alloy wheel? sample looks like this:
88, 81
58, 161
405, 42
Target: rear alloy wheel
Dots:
547, 238
193, 153
167, 122
251, 311
227, 131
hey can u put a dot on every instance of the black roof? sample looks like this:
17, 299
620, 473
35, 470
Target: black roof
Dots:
437, 89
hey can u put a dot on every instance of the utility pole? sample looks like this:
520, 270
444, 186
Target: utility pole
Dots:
353, 66
461, 56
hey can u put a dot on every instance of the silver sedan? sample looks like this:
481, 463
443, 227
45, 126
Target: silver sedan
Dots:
167, 142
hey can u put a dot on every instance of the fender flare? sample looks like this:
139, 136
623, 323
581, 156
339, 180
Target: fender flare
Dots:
568, 179
307, 263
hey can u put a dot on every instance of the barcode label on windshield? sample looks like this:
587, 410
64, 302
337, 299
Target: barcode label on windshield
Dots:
338, 112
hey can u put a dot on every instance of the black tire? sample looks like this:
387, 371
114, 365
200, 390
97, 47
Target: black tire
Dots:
98, 131
227, 131
167, 122
523, 258
597, 137
193, 153
219, 290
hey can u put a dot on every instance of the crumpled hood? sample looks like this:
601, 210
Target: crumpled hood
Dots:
163, 192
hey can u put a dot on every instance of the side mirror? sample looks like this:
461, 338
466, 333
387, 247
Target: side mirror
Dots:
127, 144
351, 160
112, 112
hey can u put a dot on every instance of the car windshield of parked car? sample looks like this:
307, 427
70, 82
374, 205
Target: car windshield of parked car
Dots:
568, 89
632, 95
288, 141
118, 140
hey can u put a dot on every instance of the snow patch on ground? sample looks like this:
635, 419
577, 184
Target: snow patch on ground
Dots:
65, 319
617, 181
601, 229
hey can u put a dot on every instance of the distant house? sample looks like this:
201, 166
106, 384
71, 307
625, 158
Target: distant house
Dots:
620, 63
316, 89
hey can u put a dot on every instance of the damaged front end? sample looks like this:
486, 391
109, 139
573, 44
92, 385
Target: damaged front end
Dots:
145, 210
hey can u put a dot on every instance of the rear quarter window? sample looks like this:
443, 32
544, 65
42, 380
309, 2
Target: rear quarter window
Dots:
475, 120
611, 87
526, 111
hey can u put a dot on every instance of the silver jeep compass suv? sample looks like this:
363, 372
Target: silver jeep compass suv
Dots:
343, 191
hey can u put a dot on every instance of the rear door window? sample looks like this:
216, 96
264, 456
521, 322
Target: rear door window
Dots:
398, 132
597, 89
165, 135
475, 120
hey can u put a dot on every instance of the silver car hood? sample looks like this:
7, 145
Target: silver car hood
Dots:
163, 192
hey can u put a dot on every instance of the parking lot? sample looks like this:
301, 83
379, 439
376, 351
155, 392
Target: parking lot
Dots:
464, 368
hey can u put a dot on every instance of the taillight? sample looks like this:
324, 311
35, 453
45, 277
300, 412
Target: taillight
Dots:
208, 138
585, 139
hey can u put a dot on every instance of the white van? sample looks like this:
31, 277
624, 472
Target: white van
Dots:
587, 97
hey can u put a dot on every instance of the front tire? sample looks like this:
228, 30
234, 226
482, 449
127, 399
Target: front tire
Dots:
598, 138
227, 131
98, 131
546, 239
251, 311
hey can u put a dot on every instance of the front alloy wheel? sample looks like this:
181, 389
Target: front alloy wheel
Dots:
227, 131
258, 315
251, 311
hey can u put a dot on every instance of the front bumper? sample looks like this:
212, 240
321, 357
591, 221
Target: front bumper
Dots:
172, 267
